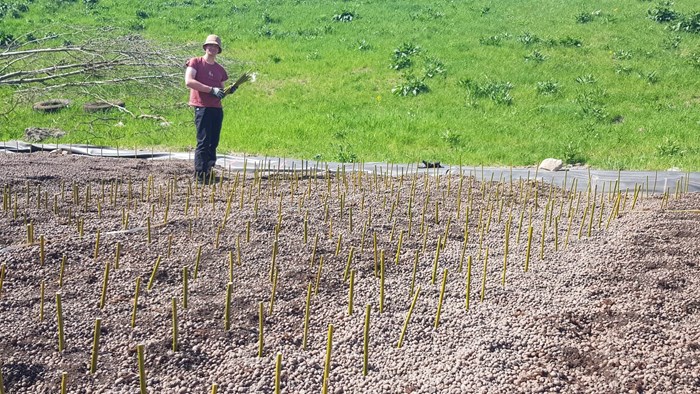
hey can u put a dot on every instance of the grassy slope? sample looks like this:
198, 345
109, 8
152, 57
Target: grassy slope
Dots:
318, 95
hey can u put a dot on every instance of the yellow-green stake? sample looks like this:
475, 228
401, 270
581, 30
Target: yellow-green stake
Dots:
59, 318
64, 382
278, 372
227, 308
327, 367
174, 307
142, 368
3, 269
185, 271
196, 263
306, 317
435, 261
351, 291
153, 274
136, 302
365, 342
408, 318
214, 388
381, 282
505, 255
318, 275
483, 276
42, 251
95, 345
261, 340
105, 280
468, 286
41, 300
97, 245
116, 255
442, 297
413, 275
529, 246
274, 289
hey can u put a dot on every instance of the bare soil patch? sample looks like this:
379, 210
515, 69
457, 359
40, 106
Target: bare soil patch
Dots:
612, 306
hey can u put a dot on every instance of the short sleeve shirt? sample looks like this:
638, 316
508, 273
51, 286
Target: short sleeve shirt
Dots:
209, 74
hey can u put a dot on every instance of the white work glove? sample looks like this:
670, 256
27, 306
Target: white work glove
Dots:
219, 93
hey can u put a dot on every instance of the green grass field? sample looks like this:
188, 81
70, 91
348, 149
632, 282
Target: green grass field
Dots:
511, 82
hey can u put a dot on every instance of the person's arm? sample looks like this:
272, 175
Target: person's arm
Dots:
192, 83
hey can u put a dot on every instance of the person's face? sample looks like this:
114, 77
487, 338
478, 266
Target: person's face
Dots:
212, 49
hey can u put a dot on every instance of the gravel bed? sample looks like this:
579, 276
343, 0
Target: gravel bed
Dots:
608, 305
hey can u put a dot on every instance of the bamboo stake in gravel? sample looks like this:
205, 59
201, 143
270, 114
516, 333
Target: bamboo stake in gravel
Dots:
348, 264
365, 341
505, 254
41, 300
442, 297
413, 275
117, 253
351, 291
95, 345
42, 251
185, 274
274, 289
97, 245
153, 274
196, 263
174, 308
327, 364
59, 318
528, 248
105, 280
3, 269
468, 286
483, 276
306, 317
408, 318
227, 307
64, 382
433, 277
214, 388
136, 302
148, 230
261, 340
381, 282
142, 367
278, 372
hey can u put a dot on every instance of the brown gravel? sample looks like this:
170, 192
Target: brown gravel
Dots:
616, 311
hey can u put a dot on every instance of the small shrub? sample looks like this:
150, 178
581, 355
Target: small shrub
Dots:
663, 12
6, 39
591, 105
548, 88
407, 50
536, 56
571, 153
345, 16
623, 69
269, 19
411, 86
401, 63
453, 139
142, 14
346, 154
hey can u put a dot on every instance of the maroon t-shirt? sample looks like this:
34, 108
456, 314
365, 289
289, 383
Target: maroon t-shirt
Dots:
209, 74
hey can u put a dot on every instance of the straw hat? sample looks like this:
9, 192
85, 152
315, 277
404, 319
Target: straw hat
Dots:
213, 39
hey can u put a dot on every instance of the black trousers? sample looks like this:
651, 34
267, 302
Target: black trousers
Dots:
208, 123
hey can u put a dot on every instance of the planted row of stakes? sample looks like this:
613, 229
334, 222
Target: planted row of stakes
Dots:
314, 207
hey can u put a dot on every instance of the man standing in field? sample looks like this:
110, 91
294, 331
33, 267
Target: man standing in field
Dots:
205, 78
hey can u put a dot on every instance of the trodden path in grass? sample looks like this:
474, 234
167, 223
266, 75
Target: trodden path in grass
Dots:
609, 301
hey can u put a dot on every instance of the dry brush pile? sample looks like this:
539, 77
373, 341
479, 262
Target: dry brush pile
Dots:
119, 275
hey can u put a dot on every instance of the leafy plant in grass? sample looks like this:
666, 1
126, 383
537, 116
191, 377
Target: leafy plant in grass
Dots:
694, 59
494, 41
622, 55
663, 12
410, 86
651, 77
669, 148
528, 38
346, 154
571, 42
548, 88
587, 17
690, 24
592, 105
363, 45
345, 16
586, 79
498, 92
571, 153
402, 58
453, 139
434, 67
536, 56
